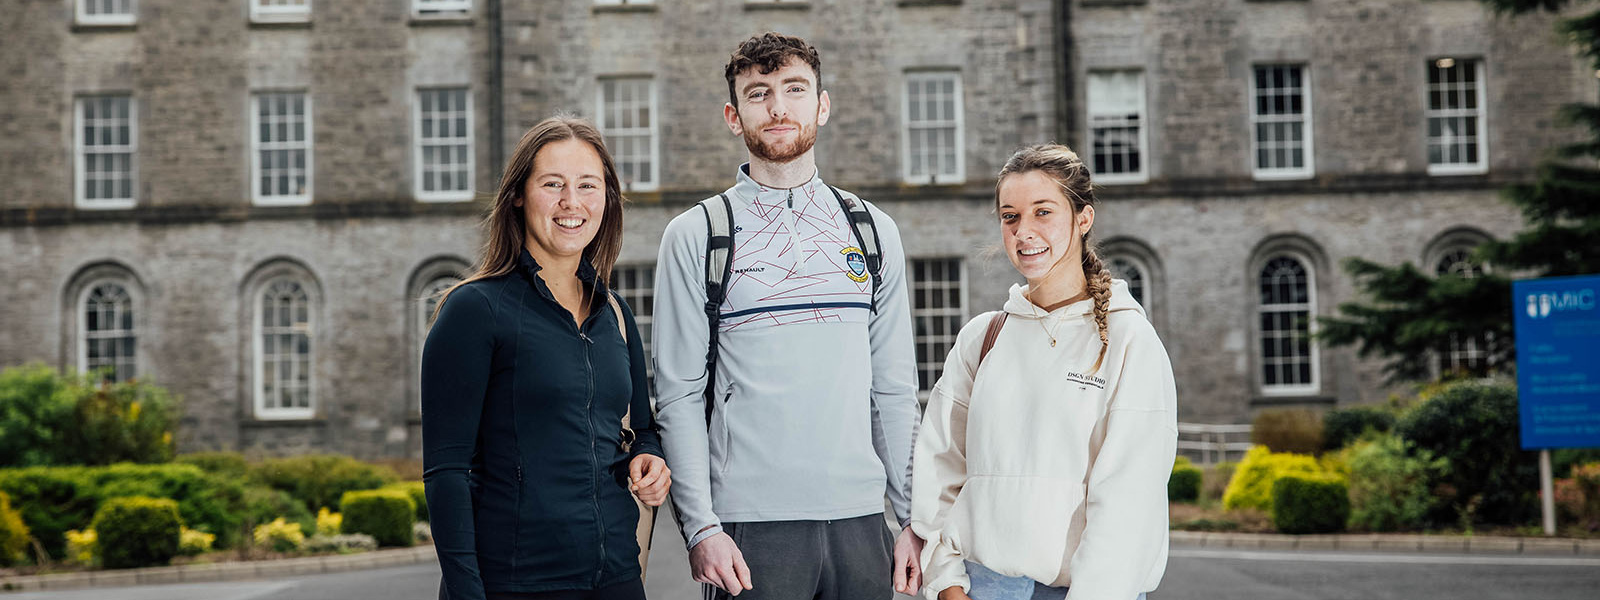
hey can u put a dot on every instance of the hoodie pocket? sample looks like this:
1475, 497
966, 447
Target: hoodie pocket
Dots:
1021, 524
726, 432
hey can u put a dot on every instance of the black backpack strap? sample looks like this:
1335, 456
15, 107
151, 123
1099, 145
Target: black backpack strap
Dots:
867, 235
719, 265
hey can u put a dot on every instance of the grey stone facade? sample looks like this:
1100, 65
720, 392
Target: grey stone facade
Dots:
195, 250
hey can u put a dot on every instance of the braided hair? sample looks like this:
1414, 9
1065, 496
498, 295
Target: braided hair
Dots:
1064, 167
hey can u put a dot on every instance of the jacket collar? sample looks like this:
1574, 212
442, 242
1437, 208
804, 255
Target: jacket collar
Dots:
530, 267
746, 190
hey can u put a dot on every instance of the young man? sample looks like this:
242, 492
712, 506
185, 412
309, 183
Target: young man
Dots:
780, 495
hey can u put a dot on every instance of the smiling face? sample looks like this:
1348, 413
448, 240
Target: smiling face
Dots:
563, 201
778, 113
1039, 228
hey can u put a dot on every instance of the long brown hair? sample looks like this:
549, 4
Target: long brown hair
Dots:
1063, 166
506, 228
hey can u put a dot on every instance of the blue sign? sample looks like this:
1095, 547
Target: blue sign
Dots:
1558, 361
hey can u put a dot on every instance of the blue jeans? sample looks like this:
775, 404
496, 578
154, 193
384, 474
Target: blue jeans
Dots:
989, 585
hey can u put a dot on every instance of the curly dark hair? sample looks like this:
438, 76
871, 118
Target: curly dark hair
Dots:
768, 52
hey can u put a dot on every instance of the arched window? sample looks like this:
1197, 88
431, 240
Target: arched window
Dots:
428, 302
108, 339
1132, 271
284, 347
1463, 354
1287, 302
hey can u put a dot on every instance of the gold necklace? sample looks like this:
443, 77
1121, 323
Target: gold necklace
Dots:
1049, 332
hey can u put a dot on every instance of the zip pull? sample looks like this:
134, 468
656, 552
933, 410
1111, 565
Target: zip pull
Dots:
585, 338
791, 199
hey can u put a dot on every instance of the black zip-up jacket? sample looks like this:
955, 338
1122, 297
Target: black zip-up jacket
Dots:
527, 482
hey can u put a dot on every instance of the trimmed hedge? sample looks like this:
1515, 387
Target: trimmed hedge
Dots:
418, 493
13, 533
1475, 427
1184, 483
1251, 486
226, 464
1315, 504
386, 515
137, 532
321, 480
54, 500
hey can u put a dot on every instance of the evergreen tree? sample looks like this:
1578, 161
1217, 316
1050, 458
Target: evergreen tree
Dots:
1411, 316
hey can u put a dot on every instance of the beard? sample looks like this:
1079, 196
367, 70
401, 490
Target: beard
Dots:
780, 152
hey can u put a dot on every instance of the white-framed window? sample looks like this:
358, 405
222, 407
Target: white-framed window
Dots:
107, 12
427, 305
627, 110
1280, 116
424, 8
1468, 354
108, 338
444, 145
938, 309
280, 11
637, 285
1118, 137
1134, 272
1287, 304
932, 129
281, 147
1458, 136
107, 139
284, 350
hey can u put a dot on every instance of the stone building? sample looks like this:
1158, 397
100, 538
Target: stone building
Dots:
248, 201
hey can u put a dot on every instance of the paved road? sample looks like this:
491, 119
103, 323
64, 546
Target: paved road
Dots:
1192, 574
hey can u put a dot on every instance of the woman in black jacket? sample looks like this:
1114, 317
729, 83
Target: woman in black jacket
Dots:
526, 378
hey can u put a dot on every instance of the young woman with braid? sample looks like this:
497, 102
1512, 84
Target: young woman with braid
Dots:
1043, 474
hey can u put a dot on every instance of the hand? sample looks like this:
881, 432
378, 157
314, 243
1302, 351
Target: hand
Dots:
954, 592
649, 479
716, 560
908, 563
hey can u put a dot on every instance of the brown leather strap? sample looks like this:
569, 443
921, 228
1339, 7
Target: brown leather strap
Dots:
617, 309
991, 334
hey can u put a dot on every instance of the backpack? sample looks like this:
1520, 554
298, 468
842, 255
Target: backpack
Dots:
719, 265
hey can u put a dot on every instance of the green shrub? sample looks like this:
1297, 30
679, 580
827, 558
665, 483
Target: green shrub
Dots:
35, 402
52, 501
1297, 431
137, 532
1310, 504
13, 533
194, 543
386, 515
1390, 484
263, 504
280, 535
1341, 427
1474, 426
226, 464
418, 494
48, 418
320, 480
1184, 484
1251, 486
1563, 460
328, 522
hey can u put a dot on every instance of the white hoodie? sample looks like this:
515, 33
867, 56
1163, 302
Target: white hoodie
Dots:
1036, 467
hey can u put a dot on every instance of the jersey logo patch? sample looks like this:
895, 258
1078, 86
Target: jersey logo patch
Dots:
856, 262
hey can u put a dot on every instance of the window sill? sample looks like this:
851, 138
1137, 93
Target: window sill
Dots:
444, 20
1113, 3
304, 23
756, 5
102, 205
255, 422
1457, 171
624, 8
921, 3
1293, 399
104, 27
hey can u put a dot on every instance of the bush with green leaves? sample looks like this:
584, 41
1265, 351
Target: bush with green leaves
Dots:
1310, 504
137, 532
1184, 483
54, 500
418, 493
263, 504
226, 464
82, 547
1391, 483
1474, 426
1342, 427
1251, 486
13, 533
386, 515
1297, 431
320, 480
35, 403
193, 542
280, 535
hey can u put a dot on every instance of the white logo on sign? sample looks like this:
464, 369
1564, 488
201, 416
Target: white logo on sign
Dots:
1541, 305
